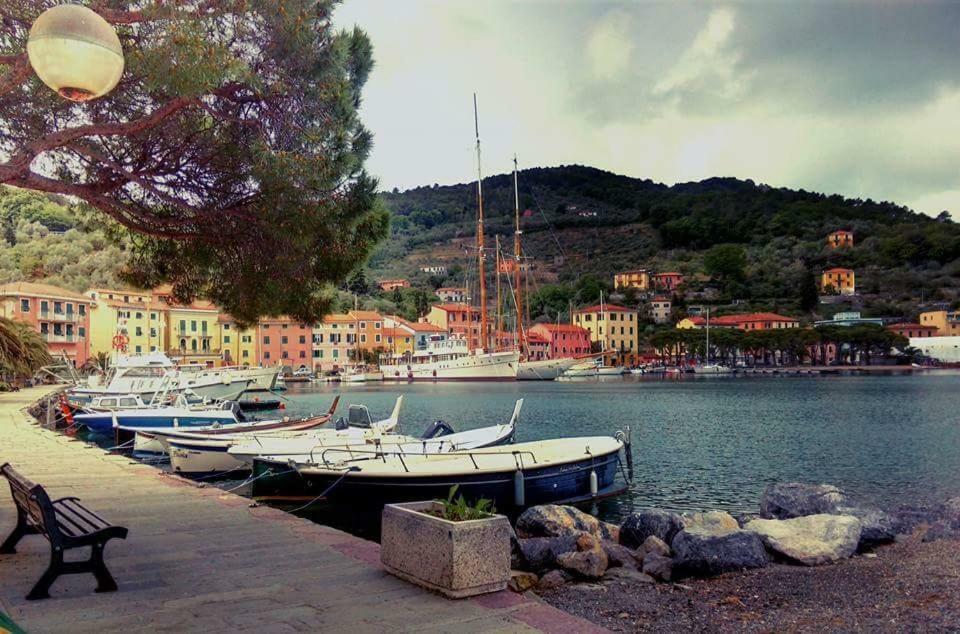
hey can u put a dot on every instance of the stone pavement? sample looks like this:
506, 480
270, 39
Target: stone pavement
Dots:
200, 559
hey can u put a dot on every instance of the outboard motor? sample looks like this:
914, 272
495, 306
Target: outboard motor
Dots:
341, 424
234, 406
436, 429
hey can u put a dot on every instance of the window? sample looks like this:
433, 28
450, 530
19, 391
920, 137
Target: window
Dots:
139, 314
266, 355
336, 353
153, 348
82, 332
284, 326
24, 305
226, 326
58, 329
303, 339
245, 338
285, 355
193, 325
303, 354
153, 332
153, 316
203, 327
283, 340
246, 353
138, 350
139, 331
266, 340
193, 345
126, 298
363, 338
183, 325
226, 339
376, 338
82, 309
376, 325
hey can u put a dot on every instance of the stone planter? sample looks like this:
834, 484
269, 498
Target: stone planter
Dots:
457, 559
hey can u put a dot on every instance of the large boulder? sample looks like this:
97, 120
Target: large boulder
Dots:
619, 556
711, 520
658, 566
811, 539
639, 526
654, 544
713, 552
540, 553
876, 526
589, 561
553, 520
796, 499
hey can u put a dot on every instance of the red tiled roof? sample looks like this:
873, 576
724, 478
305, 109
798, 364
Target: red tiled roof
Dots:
533, 337
456, 307
838, 270
32, 289
670, 273
366, 315
841, 231
606, 308
736, 320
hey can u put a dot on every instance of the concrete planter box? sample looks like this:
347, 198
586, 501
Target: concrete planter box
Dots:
457, 559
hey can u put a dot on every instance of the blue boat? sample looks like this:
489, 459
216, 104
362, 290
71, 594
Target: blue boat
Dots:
561, 470
106, 423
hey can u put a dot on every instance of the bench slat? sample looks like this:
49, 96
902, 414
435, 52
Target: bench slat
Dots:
82, 523
81, 511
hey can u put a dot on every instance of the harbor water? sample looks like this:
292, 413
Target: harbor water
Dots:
712, 442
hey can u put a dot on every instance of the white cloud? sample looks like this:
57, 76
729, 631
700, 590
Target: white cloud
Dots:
610, 45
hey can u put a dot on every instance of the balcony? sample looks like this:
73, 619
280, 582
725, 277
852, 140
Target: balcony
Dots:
61, 338
47, 315
182, 352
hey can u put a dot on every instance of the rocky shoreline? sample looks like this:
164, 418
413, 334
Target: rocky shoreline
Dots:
807, 546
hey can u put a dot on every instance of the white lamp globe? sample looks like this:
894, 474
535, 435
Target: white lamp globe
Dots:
75, 52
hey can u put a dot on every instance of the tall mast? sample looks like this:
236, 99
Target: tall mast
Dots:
498, 326
517, 257
484, 332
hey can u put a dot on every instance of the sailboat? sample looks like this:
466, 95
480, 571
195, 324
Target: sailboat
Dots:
708, 367
451, 358
540, 369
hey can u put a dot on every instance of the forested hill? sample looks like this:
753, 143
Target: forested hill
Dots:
604, 222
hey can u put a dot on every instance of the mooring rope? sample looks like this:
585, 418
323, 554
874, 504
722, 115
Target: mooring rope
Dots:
324, 494
122, 445
218, 474
249, 480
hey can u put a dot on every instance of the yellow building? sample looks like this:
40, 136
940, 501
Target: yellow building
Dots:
131, 314
639, 279
840, 280
840, 238
613, 328
238, 346
193, 333
947, 323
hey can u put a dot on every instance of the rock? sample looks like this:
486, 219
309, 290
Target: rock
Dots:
553, 579
540, 553
521, 581
701, 552
552, 520
710, 520
619, 556
876, 526
590, 564
658, 566
654, 544
641, 525
517, 560
609, 532
586, 541
795, 499
628, 575
811, 539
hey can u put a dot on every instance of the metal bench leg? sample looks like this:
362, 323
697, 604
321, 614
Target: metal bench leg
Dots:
105, 581
42, 589
19, 532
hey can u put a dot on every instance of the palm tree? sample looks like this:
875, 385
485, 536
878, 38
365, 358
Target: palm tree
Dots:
22, 350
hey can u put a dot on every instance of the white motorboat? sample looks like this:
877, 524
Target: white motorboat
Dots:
545, 369
261, 379
451, 360
361, 374
611, 370
712, 368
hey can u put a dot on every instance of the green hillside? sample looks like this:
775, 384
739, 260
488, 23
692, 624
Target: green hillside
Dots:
602, 223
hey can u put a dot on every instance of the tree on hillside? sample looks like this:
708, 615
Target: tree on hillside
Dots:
726, 262
809, 293
358, 283
231, 149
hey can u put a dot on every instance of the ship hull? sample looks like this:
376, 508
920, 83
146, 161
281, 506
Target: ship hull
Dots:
487, 366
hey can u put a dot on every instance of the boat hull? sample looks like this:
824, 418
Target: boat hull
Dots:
544, 485
546, 370
489, 366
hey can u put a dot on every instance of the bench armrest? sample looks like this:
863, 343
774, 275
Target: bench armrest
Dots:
66, 498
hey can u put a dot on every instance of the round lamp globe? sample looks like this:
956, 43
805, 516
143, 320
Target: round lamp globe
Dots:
75, 52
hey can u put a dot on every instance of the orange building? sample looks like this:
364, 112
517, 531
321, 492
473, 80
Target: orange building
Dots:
369, 329
840, 238
947, 323
565, 340
639, 279
909, 330
280, 339
389, 285
668, 281
460, 320
62, 317
841, 281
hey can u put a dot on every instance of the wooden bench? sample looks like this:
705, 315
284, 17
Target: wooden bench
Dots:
66, 524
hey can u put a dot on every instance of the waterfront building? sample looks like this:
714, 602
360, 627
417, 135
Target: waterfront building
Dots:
839, 281
912, 331
638, 279
538, 347
389, 285
452, 294
61, 316
193, 332
399, 340
369, 329
333, 340
282, 340
667, 282
942, 349
848, 319
613, 327
660, 309
747, 321
564, 340
238, 346
947, 323
457, 319
422, 331
840, 238
128, 313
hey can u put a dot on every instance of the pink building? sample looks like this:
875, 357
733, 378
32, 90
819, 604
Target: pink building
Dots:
61, 317
281, 339
668, 281
563, 340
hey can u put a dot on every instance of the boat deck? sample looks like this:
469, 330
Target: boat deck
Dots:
200, 559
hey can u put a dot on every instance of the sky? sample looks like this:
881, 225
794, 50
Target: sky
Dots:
860, 98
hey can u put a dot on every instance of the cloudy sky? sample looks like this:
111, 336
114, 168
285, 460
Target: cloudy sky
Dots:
859, 98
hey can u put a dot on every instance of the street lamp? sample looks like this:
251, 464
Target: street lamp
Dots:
75, 52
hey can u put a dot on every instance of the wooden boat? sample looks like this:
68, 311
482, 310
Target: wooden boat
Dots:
542, 472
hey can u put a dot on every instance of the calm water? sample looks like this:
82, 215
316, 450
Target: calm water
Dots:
714, 442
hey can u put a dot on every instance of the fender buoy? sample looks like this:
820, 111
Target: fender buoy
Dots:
282, 406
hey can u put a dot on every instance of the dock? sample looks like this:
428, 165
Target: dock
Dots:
202, 559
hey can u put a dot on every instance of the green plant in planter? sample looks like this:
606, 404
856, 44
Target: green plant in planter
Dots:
459, 510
